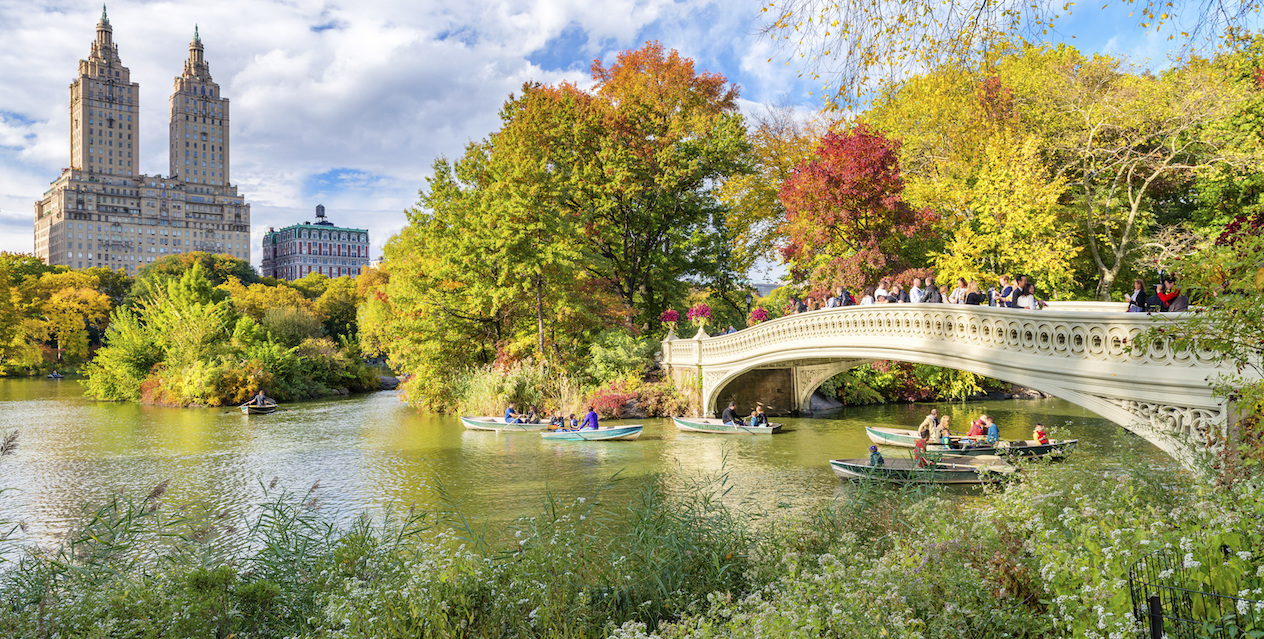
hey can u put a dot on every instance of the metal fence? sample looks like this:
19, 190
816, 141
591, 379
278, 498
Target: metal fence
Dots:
1167, 605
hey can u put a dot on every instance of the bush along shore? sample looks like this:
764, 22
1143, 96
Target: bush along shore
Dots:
1046, 556
189, 343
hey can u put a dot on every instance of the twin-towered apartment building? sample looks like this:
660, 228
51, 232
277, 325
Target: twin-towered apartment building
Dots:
102, 212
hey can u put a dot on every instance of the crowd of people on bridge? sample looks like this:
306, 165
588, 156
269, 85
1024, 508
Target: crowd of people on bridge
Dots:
1166, 298
1011, 292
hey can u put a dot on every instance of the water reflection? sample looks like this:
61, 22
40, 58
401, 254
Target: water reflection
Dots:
371, 452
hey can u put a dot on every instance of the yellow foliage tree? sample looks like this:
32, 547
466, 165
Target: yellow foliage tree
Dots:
254, 300
780, 141
66, 316
1012, 224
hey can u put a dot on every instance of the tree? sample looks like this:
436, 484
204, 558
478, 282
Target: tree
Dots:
780, 141
67, 315
857, 47
663, 137
1013, 223
217, 268
1126, 134
847, 223
337, 306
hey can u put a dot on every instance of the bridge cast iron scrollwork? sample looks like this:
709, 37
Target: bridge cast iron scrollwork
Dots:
1082, 356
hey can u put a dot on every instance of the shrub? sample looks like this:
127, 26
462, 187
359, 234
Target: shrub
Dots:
617, 354
610, 399
290, 325
662, 399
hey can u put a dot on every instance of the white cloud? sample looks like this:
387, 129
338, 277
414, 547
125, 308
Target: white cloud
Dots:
345, 105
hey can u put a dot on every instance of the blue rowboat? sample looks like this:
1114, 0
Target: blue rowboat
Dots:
709, 425
498, 424
964, 446
601, 434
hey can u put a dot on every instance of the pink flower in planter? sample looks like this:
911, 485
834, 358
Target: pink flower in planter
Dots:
757, 316
699, 314
669, 316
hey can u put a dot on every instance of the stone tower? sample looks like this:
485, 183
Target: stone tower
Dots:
104, 111
199, 151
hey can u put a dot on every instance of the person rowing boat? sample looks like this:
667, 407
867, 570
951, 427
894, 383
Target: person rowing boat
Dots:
261, 400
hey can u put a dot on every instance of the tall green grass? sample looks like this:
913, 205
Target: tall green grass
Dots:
671, 556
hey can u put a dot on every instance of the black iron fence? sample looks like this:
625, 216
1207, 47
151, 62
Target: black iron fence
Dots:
1170, 603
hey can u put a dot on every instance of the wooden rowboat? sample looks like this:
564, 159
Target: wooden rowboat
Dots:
947, 470
709, 425
601, 434
251, 409
499, 425
1028, 448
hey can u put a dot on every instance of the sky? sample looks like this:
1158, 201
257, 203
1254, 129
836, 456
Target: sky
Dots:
348, 105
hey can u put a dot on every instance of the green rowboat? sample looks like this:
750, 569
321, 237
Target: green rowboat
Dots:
708, 425
498, 424
626, 433
1029, 448
947, 470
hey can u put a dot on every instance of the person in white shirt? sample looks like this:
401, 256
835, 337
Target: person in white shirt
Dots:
915, 293
1028, 298
958, 295
868, 298
881, 291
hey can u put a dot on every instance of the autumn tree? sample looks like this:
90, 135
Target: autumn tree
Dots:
1012, 223
664, 136
847, 222
855, 48
780, 140
1120, 135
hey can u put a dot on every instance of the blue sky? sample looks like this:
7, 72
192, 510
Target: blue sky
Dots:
349, 105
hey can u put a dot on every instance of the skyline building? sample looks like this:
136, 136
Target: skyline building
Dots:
321, 247
101, 211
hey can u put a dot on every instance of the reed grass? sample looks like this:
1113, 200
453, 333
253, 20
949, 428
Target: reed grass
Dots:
673, 556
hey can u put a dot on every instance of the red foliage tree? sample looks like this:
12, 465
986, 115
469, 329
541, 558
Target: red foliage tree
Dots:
846, 219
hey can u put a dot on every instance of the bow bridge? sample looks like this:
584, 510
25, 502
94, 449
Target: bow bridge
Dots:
1078, 352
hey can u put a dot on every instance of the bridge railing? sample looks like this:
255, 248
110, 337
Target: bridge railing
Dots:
1076, 334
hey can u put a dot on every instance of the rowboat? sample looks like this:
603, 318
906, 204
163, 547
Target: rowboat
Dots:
601, 434
947, 470
251, 409
498, 424
1022, 448
707, 425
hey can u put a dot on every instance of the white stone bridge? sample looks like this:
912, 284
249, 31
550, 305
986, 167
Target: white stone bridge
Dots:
1078, 352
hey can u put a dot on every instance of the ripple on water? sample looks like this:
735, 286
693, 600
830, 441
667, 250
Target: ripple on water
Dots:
371, 452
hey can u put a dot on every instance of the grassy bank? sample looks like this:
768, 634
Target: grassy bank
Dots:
1043, 557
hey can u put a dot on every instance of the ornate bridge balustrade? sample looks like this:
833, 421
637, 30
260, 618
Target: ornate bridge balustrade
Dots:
1077, 352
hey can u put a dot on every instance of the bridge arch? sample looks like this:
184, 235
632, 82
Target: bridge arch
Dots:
1079, 354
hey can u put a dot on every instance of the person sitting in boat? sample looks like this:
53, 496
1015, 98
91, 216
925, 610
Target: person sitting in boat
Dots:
1040, 435
532, 417
574, 423
919, 453
976, 429
875, 457
729, 417
558, 422
758, 418
261, 400
993, 432
512, 416
590, 420
945, 434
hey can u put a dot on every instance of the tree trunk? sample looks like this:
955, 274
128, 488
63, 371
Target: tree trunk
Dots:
539, 314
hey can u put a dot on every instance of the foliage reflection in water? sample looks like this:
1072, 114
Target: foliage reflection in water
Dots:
370, 452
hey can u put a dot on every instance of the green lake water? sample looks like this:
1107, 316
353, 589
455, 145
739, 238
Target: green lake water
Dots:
371, 452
